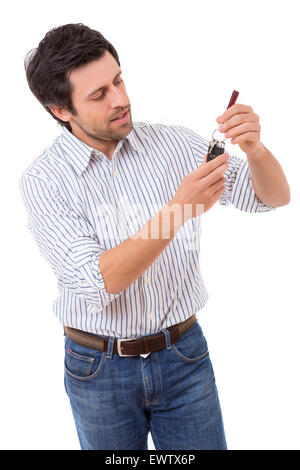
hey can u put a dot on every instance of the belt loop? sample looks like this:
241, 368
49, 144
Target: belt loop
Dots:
110, 348
167, 338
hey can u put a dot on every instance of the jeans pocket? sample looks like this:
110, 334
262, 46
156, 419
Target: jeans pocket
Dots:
192, 345
82, 363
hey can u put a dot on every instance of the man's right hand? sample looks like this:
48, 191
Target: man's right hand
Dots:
204, 185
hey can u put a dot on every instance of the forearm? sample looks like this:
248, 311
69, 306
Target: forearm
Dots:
268, 180
122, 265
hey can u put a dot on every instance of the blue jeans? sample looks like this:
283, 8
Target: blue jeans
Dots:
172, 393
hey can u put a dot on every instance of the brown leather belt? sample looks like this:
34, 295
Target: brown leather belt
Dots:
130, 346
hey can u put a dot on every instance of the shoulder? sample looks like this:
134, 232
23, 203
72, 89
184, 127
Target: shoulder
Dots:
49, 169
180, 134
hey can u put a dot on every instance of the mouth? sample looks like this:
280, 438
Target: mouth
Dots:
123, 118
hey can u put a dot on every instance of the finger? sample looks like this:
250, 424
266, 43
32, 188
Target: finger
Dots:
217, 184
207, 167
218, 193
214, 198
215, 175
235, 109
242, 129
238, 119
247, 137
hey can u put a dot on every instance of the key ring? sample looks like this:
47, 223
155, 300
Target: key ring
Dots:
216, 139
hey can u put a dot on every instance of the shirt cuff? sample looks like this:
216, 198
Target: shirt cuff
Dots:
84, 258
243, 195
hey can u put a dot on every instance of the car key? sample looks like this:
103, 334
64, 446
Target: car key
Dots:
217, 147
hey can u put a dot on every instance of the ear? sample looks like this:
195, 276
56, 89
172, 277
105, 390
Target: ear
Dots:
60, 112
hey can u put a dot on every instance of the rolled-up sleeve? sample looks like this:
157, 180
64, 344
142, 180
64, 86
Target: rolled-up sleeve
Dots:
238, 188
65, 239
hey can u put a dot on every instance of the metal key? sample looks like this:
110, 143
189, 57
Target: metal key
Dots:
216, 148
211, 145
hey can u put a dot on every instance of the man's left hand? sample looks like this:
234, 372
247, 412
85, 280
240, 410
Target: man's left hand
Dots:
241, 124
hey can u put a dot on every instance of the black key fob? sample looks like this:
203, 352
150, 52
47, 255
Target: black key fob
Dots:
215, 149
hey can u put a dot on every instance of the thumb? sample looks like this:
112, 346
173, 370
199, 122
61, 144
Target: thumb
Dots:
204, 159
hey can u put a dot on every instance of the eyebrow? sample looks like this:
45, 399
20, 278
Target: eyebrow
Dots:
101, 88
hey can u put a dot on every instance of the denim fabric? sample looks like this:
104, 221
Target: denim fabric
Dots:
172, 393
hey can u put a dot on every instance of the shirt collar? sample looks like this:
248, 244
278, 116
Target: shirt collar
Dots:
79, 153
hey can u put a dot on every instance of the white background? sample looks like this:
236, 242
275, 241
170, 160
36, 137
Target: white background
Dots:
181, 62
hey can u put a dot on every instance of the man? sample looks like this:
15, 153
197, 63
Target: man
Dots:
114, 207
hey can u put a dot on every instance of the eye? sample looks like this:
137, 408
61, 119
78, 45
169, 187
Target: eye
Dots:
101, 96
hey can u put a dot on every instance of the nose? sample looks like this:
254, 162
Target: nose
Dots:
119, 99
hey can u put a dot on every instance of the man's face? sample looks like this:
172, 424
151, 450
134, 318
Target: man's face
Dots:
96, 108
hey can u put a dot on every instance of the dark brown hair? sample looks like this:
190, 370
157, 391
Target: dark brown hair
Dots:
48, 66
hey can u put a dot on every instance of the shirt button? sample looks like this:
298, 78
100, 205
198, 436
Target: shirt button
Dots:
116, 174
147, 280
150, 316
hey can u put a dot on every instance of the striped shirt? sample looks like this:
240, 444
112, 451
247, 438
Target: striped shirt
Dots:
80, 203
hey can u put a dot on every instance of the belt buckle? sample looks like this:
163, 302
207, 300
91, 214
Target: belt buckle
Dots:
119, 347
